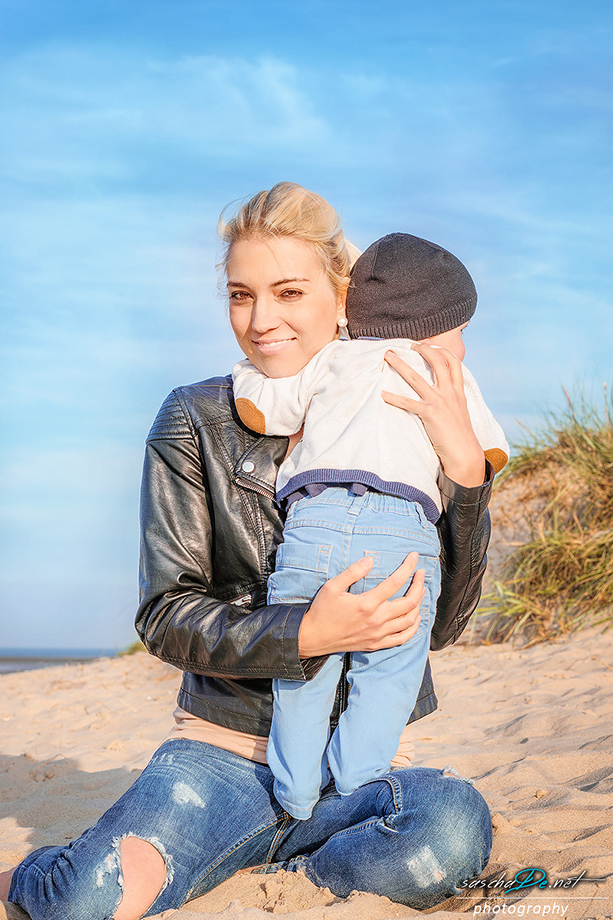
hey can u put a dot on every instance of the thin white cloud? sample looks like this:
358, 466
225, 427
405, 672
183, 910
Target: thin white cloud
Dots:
73, 115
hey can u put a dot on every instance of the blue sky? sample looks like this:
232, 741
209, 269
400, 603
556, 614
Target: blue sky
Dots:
127, 127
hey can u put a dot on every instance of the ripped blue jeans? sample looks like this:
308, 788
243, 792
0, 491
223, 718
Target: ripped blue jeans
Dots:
411, 835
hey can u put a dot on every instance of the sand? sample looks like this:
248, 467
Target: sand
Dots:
533, 728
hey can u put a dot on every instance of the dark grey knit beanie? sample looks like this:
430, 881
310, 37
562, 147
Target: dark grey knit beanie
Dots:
405, 287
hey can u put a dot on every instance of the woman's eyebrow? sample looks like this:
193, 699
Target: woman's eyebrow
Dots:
274, 283
288, 281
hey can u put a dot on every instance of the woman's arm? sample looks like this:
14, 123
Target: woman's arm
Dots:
179, 619
443, 410
464, 531
338, 621
465, 483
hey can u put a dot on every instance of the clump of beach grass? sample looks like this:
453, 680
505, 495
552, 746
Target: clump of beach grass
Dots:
132, 649
561, 579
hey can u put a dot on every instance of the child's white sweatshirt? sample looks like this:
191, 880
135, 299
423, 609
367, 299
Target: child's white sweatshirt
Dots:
351, 435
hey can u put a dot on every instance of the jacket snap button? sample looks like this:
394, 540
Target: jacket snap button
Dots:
248, 466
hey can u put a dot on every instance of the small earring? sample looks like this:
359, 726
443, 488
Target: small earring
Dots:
342, 328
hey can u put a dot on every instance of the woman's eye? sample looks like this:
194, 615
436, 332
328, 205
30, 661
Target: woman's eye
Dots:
239, 296
291, 294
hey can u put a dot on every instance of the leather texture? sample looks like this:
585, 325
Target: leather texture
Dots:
209, 534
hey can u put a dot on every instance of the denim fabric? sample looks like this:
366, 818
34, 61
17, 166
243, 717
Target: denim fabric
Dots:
412, 835
324, 534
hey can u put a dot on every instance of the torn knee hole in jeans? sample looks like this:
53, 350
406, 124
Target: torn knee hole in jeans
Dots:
453, 773
112, 862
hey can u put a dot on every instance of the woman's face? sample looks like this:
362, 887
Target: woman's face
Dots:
283, 309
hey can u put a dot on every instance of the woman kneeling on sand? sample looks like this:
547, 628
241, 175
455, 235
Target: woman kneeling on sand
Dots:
204, 806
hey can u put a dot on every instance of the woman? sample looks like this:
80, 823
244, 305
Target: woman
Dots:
204, 808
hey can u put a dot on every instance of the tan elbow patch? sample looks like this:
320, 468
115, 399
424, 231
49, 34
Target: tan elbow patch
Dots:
251, 415
497, 458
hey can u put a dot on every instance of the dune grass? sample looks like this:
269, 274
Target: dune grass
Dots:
562, 579
132, 649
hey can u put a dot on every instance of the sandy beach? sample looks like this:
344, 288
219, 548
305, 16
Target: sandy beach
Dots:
533, 728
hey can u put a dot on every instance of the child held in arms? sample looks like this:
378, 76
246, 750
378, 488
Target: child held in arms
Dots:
362, 481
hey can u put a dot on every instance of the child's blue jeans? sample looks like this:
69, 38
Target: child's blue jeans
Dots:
322, 536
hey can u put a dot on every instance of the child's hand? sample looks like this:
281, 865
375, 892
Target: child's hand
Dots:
443, 411
338, 621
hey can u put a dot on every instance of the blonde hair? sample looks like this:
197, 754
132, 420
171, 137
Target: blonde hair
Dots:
289, 210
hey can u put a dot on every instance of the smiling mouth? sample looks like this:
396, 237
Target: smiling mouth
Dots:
272, 348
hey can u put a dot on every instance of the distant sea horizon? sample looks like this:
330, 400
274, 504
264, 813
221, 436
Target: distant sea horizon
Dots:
29, 659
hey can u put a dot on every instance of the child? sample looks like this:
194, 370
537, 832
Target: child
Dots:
362, 481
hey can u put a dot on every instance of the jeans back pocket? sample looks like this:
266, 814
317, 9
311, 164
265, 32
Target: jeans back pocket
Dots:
300, 571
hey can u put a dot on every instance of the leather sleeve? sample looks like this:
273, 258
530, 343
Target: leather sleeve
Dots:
464, 531
178, 619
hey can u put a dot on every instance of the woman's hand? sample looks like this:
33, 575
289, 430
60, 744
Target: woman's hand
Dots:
443, 411
338, 621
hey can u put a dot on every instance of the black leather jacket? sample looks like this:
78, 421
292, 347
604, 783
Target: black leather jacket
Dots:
210, 531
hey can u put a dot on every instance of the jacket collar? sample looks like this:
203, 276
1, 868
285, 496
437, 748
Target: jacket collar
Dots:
258, 466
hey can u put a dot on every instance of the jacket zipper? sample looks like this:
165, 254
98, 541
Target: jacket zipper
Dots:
243, 601
247, 483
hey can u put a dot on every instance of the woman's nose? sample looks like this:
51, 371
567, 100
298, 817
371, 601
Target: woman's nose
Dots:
264, 314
